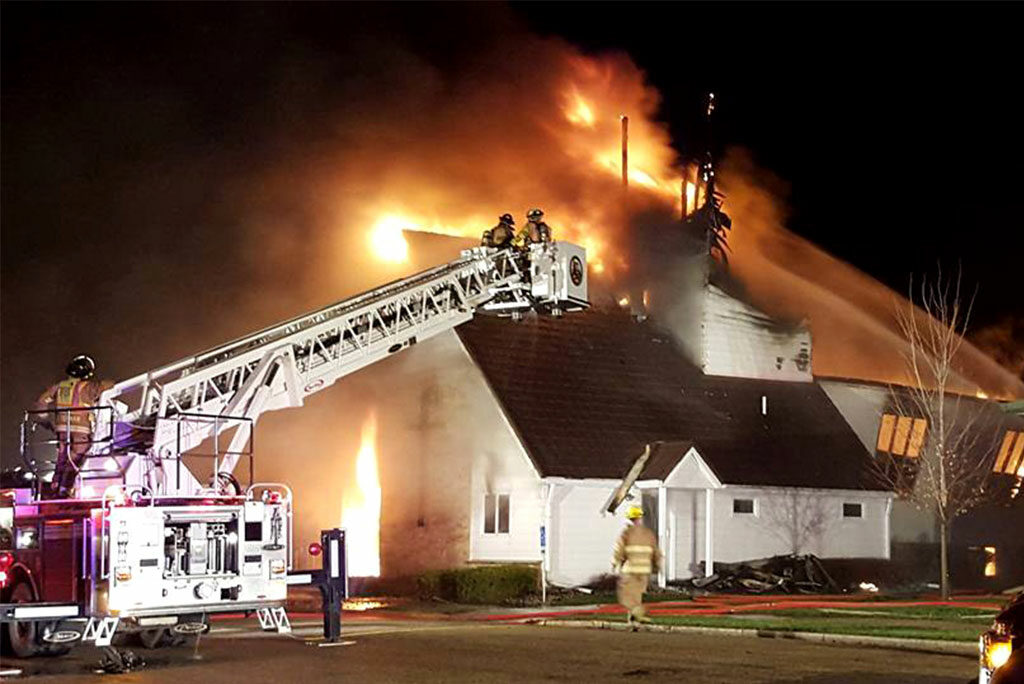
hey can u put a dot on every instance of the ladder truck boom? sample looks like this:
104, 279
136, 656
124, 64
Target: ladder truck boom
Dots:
278, 367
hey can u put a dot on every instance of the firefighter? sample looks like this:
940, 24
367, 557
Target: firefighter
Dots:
636, 556
501, 235
73, 427
535, 230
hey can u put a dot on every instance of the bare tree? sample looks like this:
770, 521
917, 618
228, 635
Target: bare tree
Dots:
941, 442
797, 516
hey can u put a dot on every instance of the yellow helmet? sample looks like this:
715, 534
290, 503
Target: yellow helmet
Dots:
634, 513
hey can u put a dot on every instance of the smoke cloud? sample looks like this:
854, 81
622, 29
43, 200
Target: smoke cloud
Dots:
230, 174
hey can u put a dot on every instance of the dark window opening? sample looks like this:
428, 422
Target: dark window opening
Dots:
853, 510
745, 506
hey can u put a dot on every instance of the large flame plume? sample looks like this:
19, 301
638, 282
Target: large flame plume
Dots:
360, 512
572, 168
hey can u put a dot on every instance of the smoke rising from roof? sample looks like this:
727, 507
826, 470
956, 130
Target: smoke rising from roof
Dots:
174, 188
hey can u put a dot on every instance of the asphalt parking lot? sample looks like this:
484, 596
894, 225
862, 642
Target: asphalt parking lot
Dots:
386, 650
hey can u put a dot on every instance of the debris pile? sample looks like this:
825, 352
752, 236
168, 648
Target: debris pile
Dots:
779, 574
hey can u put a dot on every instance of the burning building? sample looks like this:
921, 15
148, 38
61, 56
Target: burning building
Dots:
475, 447
365, 162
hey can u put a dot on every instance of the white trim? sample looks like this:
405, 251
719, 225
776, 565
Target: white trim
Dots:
852, 493
662, 533
709, 532
702, 465
670, 553
497, 514
599, 482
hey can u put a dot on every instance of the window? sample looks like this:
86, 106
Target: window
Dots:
496, 514
1009, 458
743, 506
901, 435
990, 561
853, 510
985, 560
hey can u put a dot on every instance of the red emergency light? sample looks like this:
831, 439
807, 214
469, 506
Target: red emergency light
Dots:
6, 561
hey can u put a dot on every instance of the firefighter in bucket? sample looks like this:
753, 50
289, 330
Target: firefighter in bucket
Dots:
64, 403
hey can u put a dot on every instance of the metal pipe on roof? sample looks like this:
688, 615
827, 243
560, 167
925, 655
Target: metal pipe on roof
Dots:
625, 150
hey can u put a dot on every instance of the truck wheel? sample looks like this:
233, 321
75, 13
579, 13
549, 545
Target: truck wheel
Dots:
55, 650
23, 635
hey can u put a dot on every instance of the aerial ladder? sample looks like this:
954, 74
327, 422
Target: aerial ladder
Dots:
162, 414
154, 540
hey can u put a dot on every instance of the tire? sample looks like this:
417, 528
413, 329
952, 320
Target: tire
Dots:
55, 650
23, 636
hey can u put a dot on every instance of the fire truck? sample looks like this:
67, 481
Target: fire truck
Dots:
161, 533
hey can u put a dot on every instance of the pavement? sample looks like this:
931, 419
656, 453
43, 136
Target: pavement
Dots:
396, 641
375, 648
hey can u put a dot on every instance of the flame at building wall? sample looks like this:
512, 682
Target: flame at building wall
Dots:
360, 512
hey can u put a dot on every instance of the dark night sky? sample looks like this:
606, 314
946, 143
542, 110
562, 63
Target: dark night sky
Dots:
898, 127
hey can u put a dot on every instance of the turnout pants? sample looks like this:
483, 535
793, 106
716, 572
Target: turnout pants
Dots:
631, 593
71, 450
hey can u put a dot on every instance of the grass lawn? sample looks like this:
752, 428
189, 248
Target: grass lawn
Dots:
946, 623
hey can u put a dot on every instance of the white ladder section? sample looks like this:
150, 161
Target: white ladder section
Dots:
230, 386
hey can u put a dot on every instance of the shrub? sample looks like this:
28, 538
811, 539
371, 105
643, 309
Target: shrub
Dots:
489, 584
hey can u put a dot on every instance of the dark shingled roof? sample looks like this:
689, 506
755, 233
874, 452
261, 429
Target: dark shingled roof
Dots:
664, 457
586, 391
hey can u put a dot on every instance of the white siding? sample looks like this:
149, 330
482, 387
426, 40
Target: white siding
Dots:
581, 539
509, 475
769, 531
740, 341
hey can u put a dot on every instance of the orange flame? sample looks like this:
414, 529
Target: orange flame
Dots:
576, 182
361, 517
386, 239
578, 111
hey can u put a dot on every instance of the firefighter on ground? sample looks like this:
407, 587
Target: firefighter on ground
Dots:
636, 556
501, 235
73, 427
535, 230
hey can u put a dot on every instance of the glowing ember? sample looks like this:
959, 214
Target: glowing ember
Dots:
361, 604
361, 516
691, 198
386, 239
